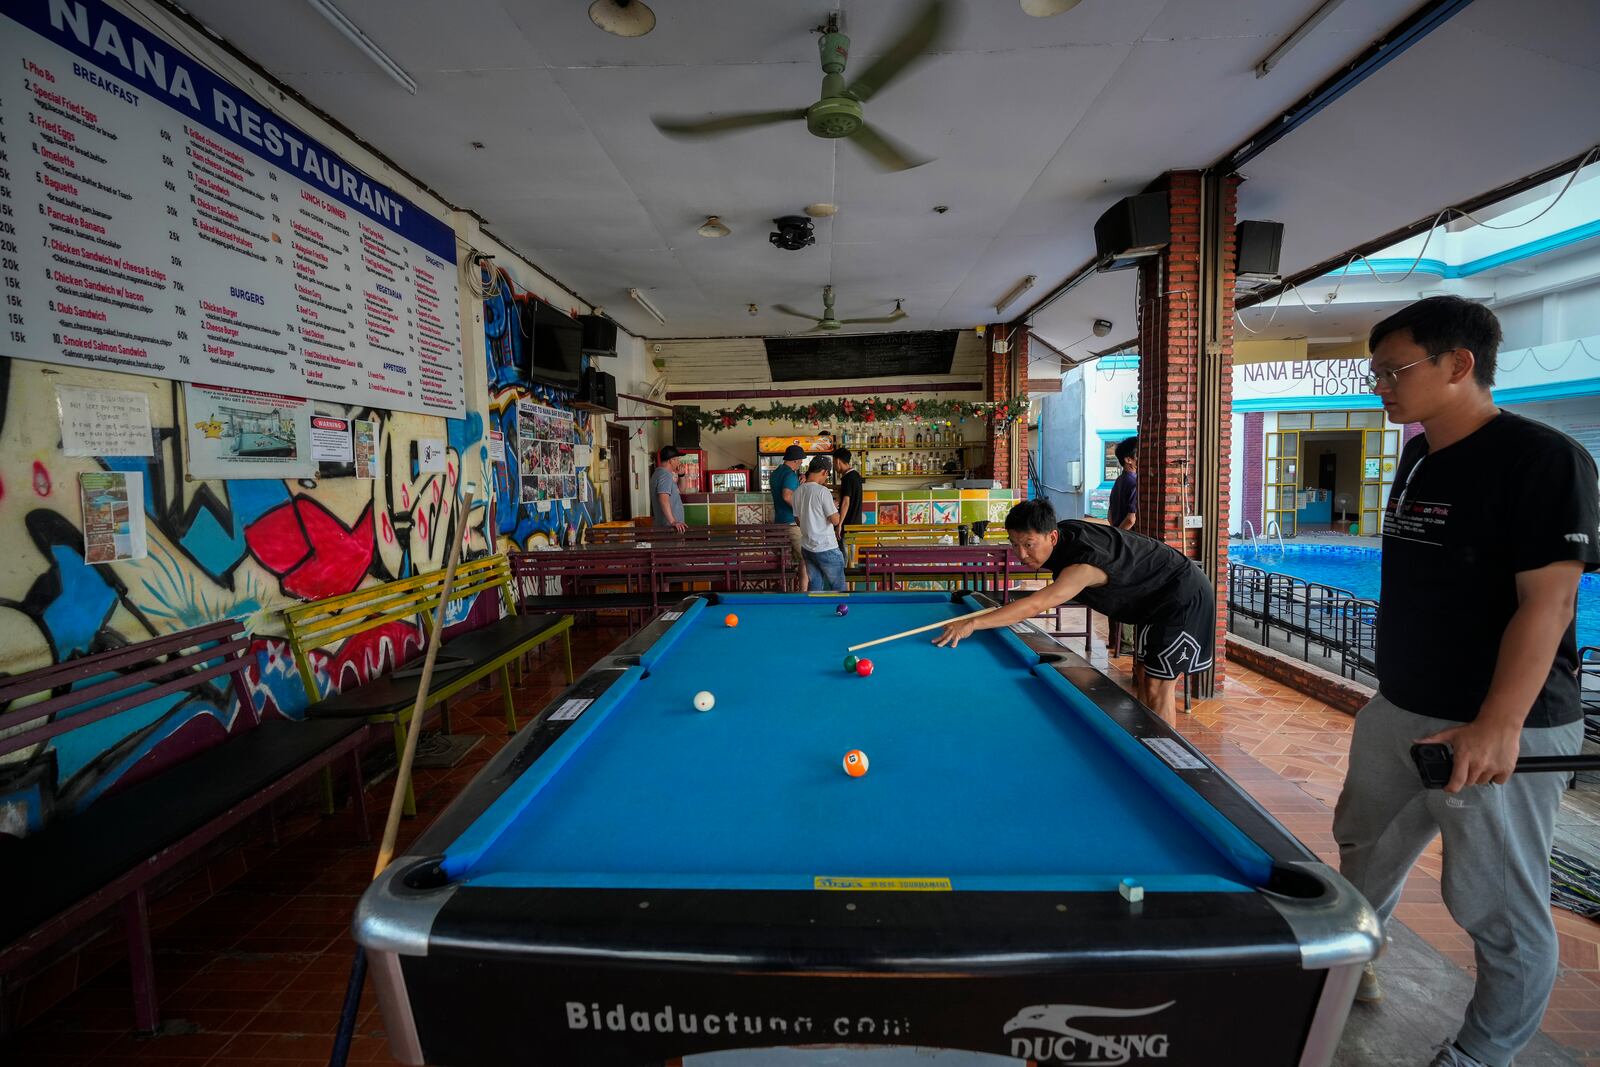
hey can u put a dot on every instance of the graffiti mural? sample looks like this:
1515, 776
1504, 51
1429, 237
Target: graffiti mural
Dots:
217, 549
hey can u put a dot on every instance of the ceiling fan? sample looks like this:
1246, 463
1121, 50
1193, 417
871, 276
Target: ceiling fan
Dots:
838, 113
831, 322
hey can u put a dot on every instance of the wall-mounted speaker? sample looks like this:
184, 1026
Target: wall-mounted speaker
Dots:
1258, 245
599, 335
1135, 227
597, 391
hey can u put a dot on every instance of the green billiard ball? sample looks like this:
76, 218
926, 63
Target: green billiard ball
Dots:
850, 664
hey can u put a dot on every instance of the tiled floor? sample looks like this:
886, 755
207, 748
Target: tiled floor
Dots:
1304, 745
253, 971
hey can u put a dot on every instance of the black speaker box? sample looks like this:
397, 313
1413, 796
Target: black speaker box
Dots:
685, 426
1258, 245
599, 335
1135, 227
597, 391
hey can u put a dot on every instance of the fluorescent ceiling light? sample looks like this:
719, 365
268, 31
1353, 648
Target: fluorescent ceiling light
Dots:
638, 298
363, 43
1021, 287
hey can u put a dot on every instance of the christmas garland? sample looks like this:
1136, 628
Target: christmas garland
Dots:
1002, 413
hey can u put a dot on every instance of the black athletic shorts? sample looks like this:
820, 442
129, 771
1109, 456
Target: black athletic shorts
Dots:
1179, 637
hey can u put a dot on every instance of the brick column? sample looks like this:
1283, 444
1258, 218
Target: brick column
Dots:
1255, 470
1186, 376
1005, 379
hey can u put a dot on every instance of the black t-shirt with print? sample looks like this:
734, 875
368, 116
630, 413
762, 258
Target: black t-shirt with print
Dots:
1461, 523
1145, 577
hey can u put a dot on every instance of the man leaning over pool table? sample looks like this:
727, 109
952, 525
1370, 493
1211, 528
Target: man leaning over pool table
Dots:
1122, 575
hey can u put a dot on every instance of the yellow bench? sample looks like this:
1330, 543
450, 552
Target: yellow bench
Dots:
463, 661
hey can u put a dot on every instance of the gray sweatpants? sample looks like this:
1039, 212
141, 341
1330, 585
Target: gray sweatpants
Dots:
1496, 880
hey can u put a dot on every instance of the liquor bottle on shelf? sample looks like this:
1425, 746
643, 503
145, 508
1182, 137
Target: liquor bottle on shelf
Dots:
919, 437
902, 437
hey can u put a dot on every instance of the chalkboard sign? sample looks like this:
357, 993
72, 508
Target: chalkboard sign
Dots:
880, 355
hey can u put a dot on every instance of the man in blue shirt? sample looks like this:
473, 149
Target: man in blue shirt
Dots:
666, 503
785, 480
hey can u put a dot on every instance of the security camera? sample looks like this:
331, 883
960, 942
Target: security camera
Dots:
793, 233
1102, 327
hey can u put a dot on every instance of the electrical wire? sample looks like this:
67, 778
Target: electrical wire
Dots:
1344, 272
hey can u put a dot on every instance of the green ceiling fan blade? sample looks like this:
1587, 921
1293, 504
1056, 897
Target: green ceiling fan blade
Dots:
787, 310
725, 123
885, 152
916, 39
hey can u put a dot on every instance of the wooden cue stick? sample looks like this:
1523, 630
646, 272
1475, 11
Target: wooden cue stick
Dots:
921, 629
402, 776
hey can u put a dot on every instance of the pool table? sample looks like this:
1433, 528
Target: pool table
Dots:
1034, 866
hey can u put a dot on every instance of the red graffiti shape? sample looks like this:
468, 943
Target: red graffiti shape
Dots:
311, 551
41, 479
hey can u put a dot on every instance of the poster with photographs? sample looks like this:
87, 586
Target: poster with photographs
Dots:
545, 452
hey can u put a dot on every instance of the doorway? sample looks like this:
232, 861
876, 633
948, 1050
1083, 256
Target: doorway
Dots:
618, 460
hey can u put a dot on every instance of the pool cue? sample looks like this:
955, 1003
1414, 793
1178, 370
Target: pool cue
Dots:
1436, 763
402, 779
921, 629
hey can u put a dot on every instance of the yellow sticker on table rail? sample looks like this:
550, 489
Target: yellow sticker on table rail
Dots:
913, 885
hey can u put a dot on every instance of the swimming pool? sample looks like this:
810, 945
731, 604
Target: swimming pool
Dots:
1357, 569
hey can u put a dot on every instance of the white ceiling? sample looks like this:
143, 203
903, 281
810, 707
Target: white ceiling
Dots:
1036, 126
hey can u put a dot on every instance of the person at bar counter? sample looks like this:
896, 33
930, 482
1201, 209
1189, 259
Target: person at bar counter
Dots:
1491, 521
1122, 575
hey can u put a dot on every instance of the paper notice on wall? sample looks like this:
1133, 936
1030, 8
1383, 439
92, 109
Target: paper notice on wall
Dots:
430, 455
240, 433
104, 422
366, 448
497, 447
330, 440
545, 452
113, 516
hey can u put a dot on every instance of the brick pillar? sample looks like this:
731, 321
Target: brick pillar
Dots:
1252, 508
1008, 448
1185, 376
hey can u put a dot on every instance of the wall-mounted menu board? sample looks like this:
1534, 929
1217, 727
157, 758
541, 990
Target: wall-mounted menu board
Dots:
157, 220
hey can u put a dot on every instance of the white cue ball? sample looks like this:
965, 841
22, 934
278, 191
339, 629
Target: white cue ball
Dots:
704, 701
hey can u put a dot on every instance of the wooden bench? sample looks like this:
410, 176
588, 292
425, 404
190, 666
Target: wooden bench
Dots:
80, 865
464, 659
610, 578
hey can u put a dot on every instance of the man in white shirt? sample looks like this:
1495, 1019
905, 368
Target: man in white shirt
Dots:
818, 517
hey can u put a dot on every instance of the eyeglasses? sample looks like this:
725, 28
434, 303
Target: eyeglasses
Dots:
1373, 377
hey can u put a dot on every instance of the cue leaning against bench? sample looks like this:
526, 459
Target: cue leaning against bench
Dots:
82, 864
465, 659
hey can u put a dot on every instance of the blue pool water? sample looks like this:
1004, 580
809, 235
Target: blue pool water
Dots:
1357, 569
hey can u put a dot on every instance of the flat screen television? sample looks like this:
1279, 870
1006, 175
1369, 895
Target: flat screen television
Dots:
556, 343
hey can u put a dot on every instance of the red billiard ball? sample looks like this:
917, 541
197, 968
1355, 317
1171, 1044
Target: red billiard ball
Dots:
863, 667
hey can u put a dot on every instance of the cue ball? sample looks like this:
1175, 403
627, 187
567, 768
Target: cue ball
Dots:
855, 763
850, 664
842, 609
704, 701
731, 620
864, 667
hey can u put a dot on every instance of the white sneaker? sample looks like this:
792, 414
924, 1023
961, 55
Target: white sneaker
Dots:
1449, 1054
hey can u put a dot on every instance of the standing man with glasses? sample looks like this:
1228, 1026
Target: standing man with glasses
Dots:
1491, 522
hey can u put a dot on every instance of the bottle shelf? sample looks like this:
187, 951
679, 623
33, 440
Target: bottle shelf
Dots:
911, 448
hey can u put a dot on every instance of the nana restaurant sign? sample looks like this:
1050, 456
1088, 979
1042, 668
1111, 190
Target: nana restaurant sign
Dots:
1306, 377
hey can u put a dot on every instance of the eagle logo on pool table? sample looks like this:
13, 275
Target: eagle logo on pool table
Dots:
1100, 1048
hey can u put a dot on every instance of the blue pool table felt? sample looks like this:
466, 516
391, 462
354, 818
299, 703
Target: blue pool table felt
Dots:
987, 769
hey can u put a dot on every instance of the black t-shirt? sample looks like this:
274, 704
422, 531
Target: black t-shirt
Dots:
1124, 497
1513, 496
1145, 577
850, 489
